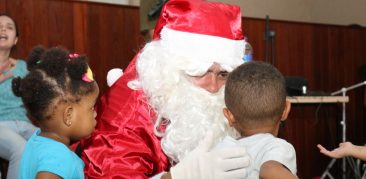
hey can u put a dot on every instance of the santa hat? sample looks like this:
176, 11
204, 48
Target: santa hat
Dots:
203, 31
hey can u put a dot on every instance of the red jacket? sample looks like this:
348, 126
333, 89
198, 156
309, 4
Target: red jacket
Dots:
124, 144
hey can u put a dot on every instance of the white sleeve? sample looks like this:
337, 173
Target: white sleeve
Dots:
281, 151
158, 176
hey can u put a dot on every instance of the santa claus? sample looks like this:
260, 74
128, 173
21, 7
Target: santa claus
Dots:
159, 112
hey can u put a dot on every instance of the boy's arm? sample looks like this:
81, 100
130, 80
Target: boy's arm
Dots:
275, 170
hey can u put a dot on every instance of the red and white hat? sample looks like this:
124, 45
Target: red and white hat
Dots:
203, 31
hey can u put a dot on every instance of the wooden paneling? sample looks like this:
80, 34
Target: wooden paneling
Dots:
2, 5
327, 56
107, 34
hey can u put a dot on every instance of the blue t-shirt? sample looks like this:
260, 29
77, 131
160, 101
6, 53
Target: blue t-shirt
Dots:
47, 155
11, 107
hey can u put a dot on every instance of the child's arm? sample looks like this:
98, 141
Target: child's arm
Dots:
47, 175
345, 149
275, 170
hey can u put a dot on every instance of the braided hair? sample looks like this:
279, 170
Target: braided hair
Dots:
54, 77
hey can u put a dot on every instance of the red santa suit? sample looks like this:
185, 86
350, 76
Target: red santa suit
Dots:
124, 144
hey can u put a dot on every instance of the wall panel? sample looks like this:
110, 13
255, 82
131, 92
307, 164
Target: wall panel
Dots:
108, 34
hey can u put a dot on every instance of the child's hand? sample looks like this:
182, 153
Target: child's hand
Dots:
343, 150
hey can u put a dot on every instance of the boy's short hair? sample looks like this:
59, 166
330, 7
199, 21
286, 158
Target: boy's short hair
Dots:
255, 92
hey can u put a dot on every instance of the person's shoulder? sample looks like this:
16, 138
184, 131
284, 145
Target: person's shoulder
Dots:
58, 159
269, 147
50, 155
49, 147
281, 151
20, 68
275, 143
21, 62
281, 142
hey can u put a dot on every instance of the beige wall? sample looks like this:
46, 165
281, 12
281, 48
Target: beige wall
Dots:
119, 2
339, 12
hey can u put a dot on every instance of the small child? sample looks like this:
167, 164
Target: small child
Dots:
255, 96
345, 149
59, 94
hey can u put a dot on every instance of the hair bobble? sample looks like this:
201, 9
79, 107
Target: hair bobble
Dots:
88, 76
72, 56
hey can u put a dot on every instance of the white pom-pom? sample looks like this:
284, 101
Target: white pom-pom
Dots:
113, 75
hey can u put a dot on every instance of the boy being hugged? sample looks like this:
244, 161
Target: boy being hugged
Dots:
255, 97
59, 94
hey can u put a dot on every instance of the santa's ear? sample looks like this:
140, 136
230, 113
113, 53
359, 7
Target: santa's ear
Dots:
229, 116
68, 115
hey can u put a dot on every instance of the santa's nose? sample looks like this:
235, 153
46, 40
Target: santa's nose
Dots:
213, 84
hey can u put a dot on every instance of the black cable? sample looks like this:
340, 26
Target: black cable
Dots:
273, 50
266, 39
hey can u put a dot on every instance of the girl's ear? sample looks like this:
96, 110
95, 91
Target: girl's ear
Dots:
16, 40
229, 116
68, 114
286, 110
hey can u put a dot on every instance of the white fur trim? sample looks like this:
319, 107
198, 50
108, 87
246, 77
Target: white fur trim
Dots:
200, 68
134, 84
197, 68
203, 48
113, 75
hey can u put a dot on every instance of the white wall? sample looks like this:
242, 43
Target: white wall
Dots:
339, 12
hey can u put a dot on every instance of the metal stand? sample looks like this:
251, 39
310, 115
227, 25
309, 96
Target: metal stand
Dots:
343, 123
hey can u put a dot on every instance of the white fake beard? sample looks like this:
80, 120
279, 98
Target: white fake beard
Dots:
189, 110
192, 112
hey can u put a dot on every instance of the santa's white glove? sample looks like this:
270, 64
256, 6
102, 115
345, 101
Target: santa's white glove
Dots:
113, 75
222, 163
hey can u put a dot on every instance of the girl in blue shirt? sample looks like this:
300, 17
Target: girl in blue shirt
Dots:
15, 127
59, 93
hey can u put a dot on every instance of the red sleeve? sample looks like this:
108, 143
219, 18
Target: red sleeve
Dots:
123, 144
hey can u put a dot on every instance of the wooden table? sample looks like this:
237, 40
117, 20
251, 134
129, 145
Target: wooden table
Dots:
318, 99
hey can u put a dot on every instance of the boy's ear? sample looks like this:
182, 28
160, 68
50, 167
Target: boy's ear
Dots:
68, 114
286, 111
229, 116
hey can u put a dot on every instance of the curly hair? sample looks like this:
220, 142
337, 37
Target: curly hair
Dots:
53, 77
255, 92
